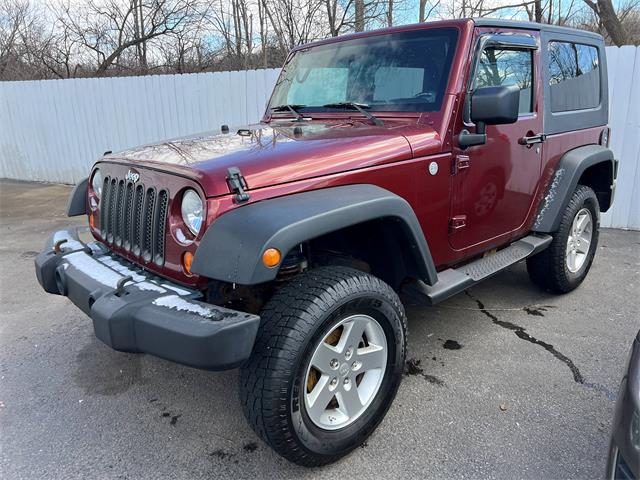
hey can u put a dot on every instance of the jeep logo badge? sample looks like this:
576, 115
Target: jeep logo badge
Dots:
132, 176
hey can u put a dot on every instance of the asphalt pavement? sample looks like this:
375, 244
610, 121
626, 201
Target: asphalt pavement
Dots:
504, 381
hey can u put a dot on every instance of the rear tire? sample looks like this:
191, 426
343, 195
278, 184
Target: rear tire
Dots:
315, 317
563, 265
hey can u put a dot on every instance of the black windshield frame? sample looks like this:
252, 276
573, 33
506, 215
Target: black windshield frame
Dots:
392, 48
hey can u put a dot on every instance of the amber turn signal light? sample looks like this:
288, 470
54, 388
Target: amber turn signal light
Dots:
271, 257
187, 260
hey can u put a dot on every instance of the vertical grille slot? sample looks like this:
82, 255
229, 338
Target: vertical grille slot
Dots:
160, 225
119, 214
147, 232
126, 216
134, 217
111, 210
104, 212
136, 226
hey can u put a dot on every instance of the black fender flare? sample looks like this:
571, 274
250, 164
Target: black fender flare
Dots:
570, 169
232, 247
77, 204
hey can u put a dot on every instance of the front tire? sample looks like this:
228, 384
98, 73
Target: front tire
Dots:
326, 365
563, 265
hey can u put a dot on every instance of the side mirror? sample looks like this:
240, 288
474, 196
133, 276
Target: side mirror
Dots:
491, 106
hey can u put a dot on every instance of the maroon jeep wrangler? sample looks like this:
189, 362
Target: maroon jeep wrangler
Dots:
417, 160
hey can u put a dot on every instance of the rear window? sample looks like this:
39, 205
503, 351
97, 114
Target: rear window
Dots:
574, 76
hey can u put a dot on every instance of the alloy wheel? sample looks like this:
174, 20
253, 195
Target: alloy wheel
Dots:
345, 372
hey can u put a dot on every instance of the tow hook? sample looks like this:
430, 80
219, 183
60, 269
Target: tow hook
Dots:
56, 247
121, 283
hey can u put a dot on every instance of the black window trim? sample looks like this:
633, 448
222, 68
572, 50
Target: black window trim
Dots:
572, 120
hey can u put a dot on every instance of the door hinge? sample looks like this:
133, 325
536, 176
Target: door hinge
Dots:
237, 184
460, 162
457, 222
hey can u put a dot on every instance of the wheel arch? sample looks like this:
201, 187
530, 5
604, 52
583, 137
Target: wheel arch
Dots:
231, 249
589, 165
77, 203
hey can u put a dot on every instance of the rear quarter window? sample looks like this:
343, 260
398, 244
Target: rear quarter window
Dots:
574, 76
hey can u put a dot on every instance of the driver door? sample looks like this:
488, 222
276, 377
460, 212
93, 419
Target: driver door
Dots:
493, 184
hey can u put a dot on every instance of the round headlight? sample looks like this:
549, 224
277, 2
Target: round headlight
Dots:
96, 183
192, 211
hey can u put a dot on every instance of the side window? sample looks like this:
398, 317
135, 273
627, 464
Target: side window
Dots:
508, 67
574, 76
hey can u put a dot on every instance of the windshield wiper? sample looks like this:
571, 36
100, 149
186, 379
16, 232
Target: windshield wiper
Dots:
360, 107
293, 108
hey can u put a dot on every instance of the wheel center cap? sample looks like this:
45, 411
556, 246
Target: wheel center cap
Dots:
344, 369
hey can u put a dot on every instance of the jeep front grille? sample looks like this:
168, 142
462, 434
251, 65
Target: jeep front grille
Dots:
134, 217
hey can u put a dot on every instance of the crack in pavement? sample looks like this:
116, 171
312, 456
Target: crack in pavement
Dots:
522, 334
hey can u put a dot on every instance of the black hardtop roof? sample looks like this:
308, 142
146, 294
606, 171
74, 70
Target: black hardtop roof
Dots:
500, 23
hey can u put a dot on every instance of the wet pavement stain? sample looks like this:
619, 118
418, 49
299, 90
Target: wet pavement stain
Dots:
174, 418
29, 254
412, 367
221, 454
250, 447
105, 372
523, 335
537, 310
451, 345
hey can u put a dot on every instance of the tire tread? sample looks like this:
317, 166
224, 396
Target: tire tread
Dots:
547, 268
285, 320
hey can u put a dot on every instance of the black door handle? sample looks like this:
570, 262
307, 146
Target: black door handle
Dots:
539, 138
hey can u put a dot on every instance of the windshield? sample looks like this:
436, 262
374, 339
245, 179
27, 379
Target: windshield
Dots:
404, 71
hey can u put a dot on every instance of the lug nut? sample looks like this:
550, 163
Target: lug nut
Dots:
334, 382
334, 363
346, 382
348, 353
356, 365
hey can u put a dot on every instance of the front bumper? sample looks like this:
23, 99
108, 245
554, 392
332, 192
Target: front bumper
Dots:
133, 311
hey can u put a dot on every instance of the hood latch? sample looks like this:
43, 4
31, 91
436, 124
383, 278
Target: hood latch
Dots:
237, 184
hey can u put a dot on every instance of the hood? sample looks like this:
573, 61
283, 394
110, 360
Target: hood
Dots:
276, 153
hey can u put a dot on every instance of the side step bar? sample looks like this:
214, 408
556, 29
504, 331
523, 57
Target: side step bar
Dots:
456, 280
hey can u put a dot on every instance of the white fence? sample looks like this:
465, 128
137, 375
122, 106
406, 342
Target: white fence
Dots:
53, 130
623, 65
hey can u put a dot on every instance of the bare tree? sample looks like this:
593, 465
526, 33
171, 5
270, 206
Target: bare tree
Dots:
71, 38
339, 15
18, 22
359, 23
609, 18
109, 29
424, 14
294, 21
